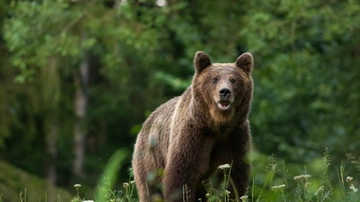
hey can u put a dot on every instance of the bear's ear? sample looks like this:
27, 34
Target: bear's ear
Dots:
245, 62
201, 61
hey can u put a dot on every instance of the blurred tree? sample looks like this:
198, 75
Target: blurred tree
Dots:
305, 52
46, 35
6, 74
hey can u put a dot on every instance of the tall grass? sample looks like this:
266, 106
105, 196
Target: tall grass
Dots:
272, 184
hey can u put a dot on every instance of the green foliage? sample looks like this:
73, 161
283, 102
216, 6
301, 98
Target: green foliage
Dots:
312, 185
35, 34
140, 55
303, 63
104, 193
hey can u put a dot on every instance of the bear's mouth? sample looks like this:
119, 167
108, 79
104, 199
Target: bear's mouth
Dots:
224, 105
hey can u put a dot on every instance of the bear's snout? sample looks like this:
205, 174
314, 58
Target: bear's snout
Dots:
225, 93
225, 99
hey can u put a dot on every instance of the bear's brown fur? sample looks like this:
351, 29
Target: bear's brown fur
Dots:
189, 136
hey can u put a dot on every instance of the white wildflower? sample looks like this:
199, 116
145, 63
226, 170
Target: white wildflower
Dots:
278, 187
299, 177
222, 167
354, 189
77, 185
349, 178
125, 184
244, 198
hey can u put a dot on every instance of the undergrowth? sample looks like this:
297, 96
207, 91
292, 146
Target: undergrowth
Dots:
272, 183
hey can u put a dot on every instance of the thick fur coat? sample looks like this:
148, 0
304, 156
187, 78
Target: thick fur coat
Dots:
183, 142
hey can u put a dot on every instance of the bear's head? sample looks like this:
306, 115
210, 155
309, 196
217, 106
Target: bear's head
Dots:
224, 88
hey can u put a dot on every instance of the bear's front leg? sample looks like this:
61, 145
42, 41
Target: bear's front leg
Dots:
238, 151
188, 162
240, 173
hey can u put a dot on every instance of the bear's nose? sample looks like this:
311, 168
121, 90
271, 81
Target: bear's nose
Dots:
225, 93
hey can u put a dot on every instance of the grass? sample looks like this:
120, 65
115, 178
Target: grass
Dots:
271, 182
12, 183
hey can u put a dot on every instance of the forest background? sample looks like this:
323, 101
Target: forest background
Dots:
78, 78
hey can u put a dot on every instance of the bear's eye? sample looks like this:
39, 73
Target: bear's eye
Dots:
215, 80
232, 81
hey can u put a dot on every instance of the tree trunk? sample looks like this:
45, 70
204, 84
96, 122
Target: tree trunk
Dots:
81, 82
50, 88
52, 150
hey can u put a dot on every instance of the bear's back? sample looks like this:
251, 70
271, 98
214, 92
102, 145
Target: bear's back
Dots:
155, 134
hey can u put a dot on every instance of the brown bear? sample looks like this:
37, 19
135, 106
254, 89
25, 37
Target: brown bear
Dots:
189, 136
